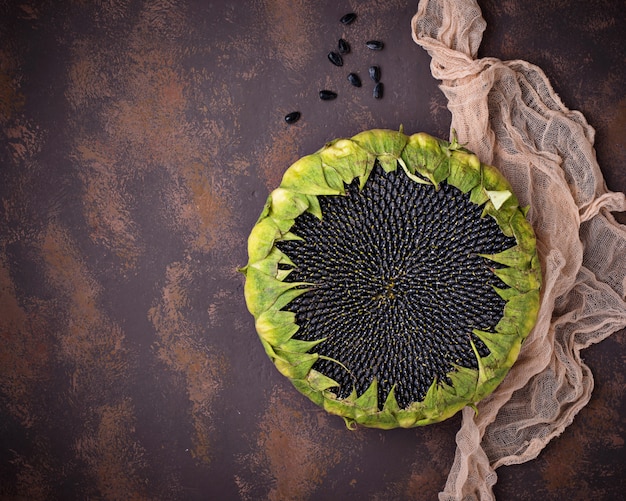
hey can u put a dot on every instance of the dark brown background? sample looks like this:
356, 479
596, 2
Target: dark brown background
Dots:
139, 140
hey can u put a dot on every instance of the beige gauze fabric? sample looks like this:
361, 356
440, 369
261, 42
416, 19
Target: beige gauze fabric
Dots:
508, 114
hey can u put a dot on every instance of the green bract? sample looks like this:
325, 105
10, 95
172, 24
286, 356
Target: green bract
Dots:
426, 160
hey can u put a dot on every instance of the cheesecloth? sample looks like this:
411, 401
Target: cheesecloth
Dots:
508, 114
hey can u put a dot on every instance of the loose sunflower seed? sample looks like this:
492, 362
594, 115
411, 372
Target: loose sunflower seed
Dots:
348, 18
374, 45
335, 58
293, 117
354, 79
343, 46
378, 91
327, 95
374, 72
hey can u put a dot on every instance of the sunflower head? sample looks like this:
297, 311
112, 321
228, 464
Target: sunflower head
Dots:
393, 278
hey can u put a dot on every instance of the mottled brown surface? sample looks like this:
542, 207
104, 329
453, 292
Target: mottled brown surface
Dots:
138, 141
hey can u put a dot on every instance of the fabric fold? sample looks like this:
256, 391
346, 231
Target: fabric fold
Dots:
509, 115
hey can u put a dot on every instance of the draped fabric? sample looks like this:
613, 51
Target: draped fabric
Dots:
509, 115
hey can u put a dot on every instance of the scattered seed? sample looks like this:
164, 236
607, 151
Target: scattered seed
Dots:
293, 117
335, 58
327, 95
344, 47
374, 45
375, 73
378, 90
348, 18
354, 79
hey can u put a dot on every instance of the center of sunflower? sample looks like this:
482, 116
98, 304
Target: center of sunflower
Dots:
399, 285
388, 293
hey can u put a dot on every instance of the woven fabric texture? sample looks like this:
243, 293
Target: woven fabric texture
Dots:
509, 115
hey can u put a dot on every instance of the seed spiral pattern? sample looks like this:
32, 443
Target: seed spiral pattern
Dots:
399, 284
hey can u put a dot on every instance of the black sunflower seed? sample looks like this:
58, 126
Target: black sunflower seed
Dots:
375, 73
335, 58
374, 45
348, 18
293, 117
354, 79
378, 90
414, 334
327, 95
343, 46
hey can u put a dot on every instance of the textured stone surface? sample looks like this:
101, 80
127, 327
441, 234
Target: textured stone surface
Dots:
138, 141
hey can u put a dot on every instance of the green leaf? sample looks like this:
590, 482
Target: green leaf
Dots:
340, 407
493, 180
261, 291
371, 162
464, 381
522, 280
307, 176
478, 195
498, 343
427, 156
346, 157
513, 256
294, 365
269, 265
333, 179
485, 372
502, 216
303, 386
382, 142
286, 204
382, 420
269, 349
411, 176
523, 232
389, 163
464, 170
408, 418
440, 403
507, 293
266, 209
368, 401
320, 382
284, 225
391, 404
524, 309
261, 239
286, 297
276, 327
498, 197
299, 345
314, 206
